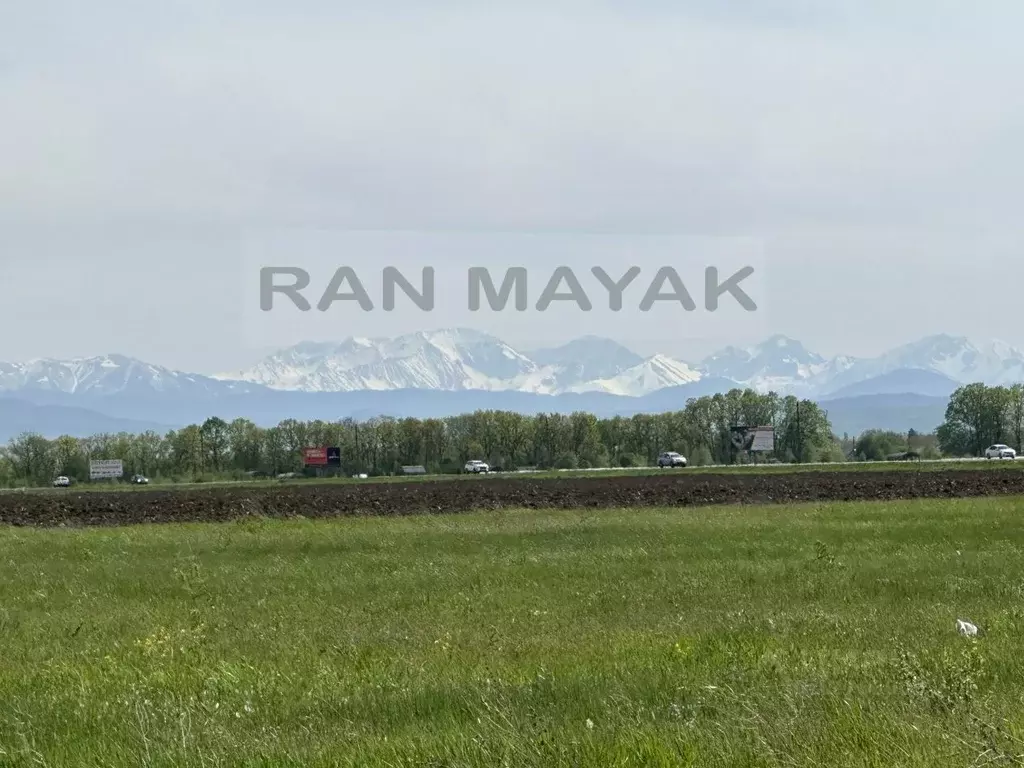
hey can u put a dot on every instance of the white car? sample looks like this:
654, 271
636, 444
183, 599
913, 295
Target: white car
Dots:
476, 467
671, 459
1000, 451
62, 482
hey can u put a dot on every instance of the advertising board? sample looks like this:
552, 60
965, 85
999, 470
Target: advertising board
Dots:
314, 457
760, 439
105, 469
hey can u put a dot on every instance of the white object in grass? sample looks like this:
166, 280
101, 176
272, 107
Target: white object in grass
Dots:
966, 629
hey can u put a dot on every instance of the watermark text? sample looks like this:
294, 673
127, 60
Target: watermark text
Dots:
516, 286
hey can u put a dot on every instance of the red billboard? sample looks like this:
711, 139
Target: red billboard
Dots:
314, 457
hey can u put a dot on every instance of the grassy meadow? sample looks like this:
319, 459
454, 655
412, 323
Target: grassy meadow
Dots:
762, 636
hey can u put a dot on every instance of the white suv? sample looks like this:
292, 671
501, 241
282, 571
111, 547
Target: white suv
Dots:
671, 459
476, 467
62, 482
1000, 451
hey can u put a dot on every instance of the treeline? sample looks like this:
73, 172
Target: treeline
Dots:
979, 416
381, 446
880, 445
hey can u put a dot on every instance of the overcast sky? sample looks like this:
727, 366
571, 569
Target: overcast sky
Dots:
153, 155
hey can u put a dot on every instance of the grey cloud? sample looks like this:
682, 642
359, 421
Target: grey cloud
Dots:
133, 135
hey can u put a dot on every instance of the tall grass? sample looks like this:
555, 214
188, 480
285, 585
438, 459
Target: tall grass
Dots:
769, 636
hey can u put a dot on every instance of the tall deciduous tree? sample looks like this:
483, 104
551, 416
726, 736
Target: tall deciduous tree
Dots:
976, 417
214, 433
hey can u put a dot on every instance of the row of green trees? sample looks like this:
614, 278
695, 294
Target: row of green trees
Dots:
880, 444
701, 431
979, 416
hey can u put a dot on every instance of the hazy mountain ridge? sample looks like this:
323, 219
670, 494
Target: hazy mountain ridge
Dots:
462, 360
108, 375
18, 416
448, 372
955, 357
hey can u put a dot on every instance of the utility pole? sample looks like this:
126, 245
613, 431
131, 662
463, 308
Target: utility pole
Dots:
799, 436
359, 456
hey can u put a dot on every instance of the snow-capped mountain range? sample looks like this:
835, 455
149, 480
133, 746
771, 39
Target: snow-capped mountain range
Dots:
461, 359
457, 360
106, 375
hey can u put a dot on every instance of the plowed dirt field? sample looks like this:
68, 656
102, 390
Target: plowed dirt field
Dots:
77, 508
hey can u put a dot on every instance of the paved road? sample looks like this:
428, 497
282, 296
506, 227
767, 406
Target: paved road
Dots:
729, 466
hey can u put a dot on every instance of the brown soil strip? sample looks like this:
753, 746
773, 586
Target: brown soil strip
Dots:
676, 489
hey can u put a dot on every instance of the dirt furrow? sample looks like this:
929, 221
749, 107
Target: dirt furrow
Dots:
448, 496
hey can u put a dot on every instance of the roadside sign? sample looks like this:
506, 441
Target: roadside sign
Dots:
764, 440
314, 457
760, 439
334, 457
105, 469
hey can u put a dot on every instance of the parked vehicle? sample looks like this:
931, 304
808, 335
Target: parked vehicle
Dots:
477, 467
1000, 451
62, 482
671, 459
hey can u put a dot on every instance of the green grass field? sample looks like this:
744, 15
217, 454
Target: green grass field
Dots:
850, 466
766, 636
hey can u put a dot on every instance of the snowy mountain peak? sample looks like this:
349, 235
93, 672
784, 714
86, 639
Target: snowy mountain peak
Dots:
779, 341
461, 359
784, 348
954, 357
779, 363
451, 359
961, 359
657, 372
585, 346
102, 375
1004, 349
934, 348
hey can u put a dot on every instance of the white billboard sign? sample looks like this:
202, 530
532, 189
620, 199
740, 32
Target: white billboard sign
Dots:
754, 439
764, 440
102, 469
